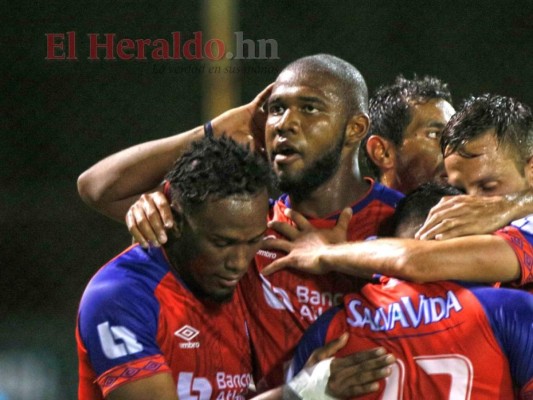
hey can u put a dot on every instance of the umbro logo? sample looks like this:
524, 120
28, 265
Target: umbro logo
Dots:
187, 333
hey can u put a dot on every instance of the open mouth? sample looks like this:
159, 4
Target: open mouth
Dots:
284, 154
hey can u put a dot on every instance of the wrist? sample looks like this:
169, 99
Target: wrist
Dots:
325, 261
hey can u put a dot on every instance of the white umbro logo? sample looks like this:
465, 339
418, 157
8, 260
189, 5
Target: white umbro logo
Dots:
187, 332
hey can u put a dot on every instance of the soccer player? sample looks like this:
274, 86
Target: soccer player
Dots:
488, 149
402, 146
316, 116
450, 341
167, 321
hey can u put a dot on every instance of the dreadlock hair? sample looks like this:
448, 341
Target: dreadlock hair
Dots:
216, 168
390, 108
511, 120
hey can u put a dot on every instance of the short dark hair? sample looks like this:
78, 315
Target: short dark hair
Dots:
216, 168
511, 120
390, 108
413, 209
351, 82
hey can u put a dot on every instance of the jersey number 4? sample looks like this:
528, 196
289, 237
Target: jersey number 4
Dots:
117, 341
458, 367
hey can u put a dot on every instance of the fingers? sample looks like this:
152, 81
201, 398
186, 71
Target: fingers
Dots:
301, 222
344, 219
327, 350
277, 244
147, 218
284, 229
135, 218
360, 357
277, 265
359, 373
260, 99
163, 207
431, 227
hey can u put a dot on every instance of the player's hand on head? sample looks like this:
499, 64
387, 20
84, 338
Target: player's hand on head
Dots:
359, 373
148, 218
464, 215
246, 124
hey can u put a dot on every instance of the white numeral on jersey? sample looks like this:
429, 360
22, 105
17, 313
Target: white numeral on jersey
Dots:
187, 384
457, 366
110, 337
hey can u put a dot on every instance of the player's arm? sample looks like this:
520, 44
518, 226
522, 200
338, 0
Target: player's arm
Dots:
156, 387
112, 185
315, 374
344, 377
465, 215
480, 258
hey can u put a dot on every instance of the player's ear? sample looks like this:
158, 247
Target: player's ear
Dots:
177, 214
356, 129
382, 152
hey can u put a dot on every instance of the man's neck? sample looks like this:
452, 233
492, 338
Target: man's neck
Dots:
340, 191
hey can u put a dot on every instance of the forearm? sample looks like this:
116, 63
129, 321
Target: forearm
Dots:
481, 258
113, 184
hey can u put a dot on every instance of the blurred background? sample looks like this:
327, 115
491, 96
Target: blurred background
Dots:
61, 116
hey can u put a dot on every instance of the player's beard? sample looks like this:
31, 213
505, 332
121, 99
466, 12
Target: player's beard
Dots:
316, 174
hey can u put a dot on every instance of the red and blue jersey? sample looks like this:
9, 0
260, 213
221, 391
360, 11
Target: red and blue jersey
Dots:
282, 306
450, 341
137, 319
519, 235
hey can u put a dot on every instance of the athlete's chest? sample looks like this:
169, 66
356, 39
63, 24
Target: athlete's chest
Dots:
206, 347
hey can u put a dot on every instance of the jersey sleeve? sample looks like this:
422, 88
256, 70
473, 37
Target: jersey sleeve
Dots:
117, 324
510, 313
313, 338
519, 235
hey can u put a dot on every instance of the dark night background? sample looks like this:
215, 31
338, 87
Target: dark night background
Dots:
60, 117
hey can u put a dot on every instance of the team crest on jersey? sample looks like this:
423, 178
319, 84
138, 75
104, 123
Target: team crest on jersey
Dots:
188, 333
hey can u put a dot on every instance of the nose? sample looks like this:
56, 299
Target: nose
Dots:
287, 122
240, 258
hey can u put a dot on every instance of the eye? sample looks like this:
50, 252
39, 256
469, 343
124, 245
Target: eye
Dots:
309, 109
220, 243
433, 134
275, 109
256, 240
489, 187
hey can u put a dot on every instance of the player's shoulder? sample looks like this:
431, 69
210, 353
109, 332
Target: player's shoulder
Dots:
385, 194
498, 302
131, 275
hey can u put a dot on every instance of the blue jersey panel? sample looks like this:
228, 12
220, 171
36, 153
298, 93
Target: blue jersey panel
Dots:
118, 312
313, 338
510, 313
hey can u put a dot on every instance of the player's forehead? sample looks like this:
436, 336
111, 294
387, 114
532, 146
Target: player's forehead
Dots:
431, 111
238, 216
297, 83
